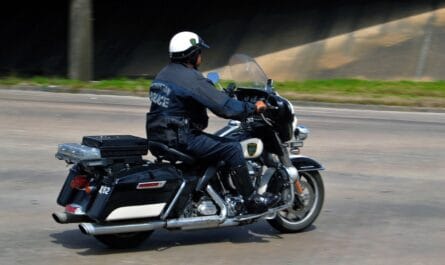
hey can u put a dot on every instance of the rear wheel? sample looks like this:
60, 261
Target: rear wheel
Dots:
124, 240
306, 208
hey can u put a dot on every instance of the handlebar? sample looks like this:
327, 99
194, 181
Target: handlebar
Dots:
266, 120
272, 107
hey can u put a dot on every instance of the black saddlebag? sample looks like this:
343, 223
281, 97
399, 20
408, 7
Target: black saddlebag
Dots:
117, 145
141, 192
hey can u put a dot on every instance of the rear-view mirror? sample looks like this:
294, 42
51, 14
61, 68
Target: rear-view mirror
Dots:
214, 77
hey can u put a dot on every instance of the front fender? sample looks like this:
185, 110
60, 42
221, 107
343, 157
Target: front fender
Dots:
303, 163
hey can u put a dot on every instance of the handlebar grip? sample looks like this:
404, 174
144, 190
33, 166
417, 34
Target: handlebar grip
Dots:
272, 107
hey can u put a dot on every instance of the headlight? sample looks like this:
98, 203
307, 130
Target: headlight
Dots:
294, 122
301, 133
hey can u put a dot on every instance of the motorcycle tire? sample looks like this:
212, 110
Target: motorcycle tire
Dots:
300, 217
124, 240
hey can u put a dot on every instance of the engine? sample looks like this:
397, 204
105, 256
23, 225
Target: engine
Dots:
255, 169
206, 207
235, 203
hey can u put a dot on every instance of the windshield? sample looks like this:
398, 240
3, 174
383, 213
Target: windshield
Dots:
245, 72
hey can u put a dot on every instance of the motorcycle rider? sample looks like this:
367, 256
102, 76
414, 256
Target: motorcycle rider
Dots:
180, 96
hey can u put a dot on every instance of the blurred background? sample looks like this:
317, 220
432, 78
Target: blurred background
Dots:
292, 40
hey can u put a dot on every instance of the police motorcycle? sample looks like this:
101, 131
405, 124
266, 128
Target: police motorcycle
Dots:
120, 198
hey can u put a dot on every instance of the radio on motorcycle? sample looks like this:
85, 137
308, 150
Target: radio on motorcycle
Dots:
117, 145
120, 197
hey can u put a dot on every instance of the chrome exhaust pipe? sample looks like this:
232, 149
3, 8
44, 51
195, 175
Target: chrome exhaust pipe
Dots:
183, 223
202, 221
194, 222
66, 218
96, 229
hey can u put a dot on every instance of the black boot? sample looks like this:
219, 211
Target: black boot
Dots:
254, 202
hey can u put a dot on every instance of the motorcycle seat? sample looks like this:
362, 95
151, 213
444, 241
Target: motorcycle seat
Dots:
164, 152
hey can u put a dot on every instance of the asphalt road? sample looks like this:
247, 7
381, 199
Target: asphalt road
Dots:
385, 182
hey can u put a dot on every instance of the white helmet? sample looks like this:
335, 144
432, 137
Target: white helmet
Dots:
184, 44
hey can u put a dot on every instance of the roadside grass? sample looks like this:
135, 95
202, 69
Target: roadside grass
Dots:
396, 93
121, 83
365, 87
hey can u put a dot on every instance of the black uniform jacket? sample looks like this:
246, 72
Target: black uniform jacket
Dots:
180, 97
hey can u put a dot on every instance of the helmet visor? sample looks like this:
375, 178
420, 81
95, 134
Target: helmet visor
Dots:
202, 44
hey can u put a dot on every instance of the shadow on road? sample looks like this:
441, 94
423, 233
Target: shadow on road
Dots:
163, 240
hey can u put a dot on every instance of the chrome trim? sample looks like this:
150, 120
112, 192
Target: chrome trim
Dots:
96, 229
292, 193
231, 127
202, 221
292, 172
270, 212
183, 223
78, 152
229, 222
303, 133
194, 222
66, 218
173, 202
140, 185
207, 207
311, 169
265, 178
219, 201
234, 123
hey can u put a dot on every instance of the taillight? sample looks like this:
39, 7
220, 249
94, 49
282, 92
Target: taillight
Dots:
79, 182
74, 209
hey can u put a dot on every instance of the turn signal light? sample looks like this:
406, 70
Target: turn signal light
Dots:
74, 209
298, 187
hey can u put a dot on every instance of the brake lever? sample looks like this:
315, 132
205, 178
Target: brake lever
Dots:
271, 107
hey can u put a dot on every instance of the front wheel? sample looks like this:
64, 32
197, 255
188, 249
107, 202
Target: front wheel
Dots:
306, 208
124, 240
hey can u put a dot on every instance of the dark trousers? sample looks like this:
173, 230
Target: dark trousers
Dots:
211, 148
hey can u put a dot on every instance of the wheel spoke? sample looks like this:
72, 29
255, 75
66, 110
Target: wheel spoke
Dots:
301, 208
306, 206
291, 215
